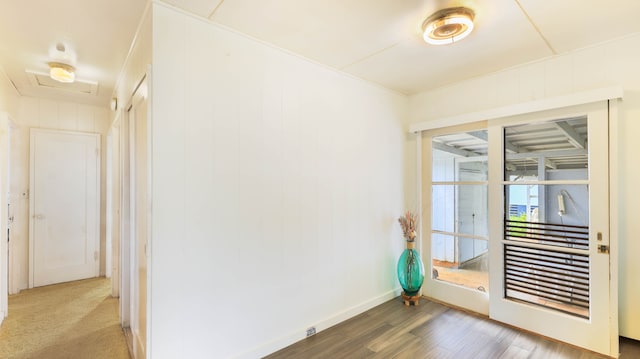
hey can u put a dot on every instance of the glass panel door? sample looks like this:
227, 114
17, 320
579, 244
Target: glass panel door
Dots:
550, 225
455, 216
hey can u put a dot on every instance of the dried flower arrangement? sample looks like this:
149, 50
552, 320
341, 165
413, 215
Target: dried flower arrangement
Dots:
408, 223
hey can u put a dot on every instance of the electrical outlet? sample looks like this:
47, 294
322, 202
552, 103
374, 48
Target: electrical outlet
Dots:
311, 331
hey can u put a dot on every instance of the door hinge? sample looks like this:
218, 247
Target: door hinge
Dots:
603, 248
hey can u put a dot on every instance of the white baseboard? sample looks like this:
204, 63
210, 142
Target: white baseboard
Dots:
2, 315
283, 342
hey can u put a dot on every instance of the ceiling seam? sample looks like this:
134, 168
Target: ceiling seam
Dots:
536, 27
370, 55
13, 84
213, 12
14, 87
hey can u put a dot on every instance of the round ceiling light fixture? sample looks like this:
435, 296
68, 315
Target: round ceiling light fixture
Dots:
62, 72
61, 67
448, 25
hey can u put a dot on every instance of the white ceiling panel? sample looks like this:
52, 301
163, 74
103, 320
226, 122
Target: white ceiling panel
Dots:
333, 32
376, 40
413, 66
202, 8
573, 24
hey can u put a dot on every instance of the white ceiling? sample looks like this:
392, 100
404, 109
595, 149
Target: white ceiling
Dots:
100, 33
376, 40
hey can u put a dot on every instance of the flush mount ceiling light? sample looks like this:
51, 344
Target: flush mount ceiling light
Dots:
62, 72
448, 25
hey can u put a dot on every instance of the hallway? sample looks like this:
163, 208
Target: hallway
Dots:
69, 320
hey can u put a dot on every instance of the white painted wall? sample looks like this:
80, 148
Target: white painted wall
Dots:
611, 63
277, 184
40, 113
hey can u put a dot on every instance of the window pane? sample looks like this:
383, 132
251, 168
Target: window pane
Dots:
460, 209
551, 204
548, 278
544, 224
460, 157
556, 146
459, 260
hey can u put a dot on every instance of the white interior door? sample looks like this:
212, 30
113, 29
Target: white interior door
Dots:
550, 264
64, 206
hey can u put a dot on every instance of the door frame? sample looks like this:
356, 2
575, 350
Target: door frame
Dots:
108, 179
114, 186
134, 282
6, 126
614, 215
125, 230
128, 252
33, 131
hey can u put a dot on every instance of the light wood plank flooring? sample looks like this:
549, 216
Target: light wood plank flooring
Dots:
432, 330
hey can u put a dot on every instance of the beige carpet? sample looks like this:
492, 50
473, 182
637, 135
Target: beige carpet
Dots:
71, 320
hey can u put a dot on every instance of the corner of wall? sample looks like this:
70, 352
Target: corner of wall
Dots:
135, 66
9, 96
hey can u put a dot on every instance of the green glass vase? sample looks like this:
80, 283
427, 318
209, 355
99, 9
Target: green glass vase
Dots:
410, 270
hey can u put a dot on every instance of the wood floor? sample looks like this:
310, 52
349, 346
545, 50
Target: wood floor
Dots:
432, 330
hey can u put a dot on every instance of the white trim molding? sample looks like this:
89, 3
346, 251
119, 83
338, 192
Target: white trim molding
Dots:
614, 223
578, 98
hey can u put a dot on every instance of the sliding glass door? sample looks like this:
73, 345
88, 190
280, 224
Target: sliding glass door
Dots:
516, 222
549, 204
455, 194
